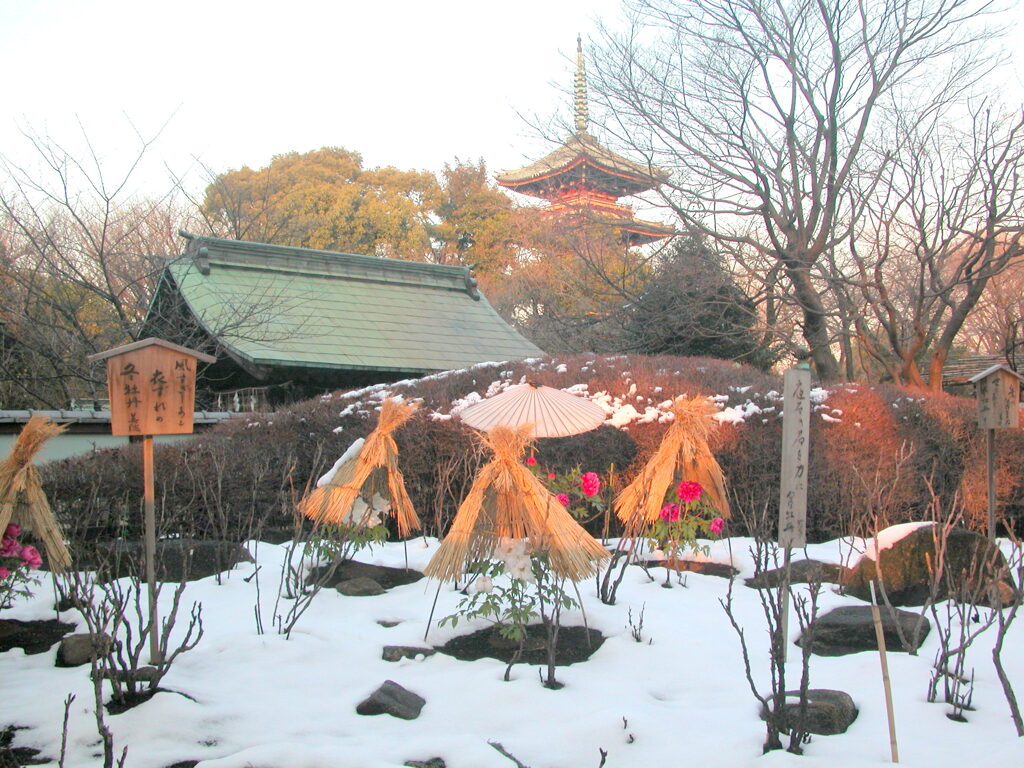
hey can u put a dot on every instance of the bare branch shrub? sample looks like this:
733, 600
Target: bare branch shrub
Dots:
1005, 616
116, 609
804, 603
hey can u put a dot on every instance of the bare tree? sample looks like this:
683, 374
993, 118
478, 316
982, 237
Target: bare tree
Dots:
951, 218
764, 111
80, 257
996, 324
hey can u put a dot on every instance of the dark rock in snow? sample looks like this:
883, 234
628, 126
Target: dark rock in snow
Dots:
801, 572
32, 636
828, 712
434, 762
705, 568
360, 587
851, 629
384, 575
76, 650
392, 699
972, 566
399, 652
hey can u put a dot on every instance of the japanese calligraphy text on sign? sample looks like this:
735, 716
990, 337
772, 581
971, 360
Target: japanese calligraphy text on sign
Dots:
151, 385
998, 395
796, 423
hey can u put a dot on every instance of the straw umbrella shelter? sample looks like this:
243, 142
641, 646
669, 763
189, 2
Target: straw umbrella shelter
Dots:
371, 473
550, 411
683, 455
22, 500
507, 501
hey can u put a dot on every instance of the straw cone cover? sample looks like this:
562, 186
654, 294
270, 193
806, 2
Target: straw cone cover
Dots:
507, 501
369, 471
684, 454
22, 499
552, 412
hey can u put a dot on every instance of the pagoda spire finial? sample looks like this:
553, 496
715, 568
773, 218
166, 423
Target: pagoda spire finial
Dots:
580, 102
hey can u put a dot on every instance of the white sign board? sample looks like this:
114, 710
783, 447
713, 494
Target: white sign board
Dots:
796, 424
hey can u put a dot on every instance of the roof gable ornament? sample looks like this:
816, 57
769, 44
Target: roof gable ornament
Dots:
580, 102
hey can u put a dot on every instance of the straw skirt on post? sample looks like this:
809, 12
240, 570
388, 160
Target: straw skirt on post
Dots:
507, 501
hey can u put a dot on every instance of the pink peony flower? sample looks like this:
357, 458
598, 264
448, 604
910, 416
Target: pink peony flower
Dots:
31, 557
591, 484
531, 461
670, 513
552, 475
689, 491
563, 499
717, 525
4, 573
10, 548
13, 531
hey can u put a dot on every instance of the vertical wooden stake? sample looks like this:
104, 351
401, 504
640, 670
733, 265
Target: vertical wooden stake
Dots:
990, 462
149, 496
880, 635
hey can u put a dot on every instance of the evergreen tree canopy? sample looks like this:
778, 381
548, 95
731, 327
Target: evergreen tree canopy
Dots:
692, 306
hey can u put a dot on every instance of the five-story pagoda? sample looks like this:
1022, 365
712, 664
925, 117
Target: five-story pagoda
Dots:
584, 179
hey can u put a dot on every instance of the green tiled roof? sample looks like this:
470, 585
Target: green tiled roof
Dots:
273, 305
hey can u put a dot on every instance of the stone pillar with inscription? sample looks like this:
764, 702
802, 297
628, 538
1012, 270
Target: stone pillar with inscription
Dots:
152, 389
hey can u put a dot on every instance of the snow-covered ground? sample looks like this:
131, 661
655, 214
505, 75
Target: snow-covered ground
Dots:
677, 697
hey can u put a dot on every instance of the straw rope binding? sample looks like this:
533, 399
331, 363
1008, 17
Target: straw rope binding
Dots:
507, 501
683, 455
22, 500
371, 473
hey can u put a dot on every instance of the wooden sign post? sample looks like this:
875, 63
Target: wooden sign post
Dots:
796, 428
152, 389
998, 393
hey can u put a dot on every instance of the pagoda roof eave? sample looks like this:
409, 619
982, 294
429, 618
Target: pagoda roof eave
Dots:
582, 148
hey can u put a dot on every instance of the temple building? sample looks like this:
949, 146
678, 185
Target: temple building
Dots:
584, 179
290, 323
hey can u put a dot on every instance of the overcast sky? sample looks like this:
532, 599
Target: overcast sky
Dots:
406, 83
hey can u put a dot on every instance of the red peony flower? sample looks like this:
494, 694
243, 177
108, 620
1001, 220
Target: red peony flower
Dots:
10, 547
564, 499
591, 484
4, 573
670, 513
689, 491
717, 525
31, 557
530, 461
552, 475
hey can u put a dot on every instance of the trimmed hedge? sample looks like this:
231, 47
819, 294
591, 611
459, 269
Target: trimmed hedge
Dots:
877, 453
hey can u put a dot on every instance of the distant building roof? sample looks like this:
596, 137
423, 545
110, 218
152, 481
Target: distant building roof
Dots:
959, 372
271, 306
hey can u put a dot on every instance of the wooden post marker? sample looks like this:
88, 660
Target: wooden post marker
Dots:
886, 685
796, 428
152, 389
998, 394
